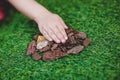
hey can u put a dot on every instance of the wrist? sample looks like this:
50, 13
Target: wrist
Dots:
40, 16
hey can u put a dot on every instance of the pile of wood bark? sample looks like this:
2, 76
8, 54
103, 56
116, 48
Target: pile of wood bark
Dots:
41, 48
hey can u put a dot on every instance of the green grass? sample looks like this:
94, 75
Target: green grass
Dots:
100, 19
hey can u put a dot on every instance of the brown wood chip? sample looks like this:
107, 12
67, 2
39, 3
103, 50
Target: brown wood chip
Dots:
31, 48
81, 35
54, 47
86, 42
75, 49
35, 37
52, 55
36, 56
45, 49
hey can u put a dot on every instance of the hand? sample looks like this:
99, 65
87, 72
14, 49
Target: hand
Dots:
50, 25
53, 28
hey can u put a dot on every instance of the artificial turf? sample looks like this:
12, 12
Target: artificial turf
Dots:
100, 19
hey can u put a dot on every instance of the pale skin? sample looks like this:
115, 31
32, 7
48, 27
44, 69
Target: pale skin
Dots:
50, 25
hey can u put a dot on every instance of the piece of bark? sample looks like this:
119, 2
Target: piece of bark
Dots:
31, 48
58, 53
69, 30
36, 56
45, 49
75, 49
66, 45
35, 37
81, 35
75, 32
86, 42
70, 34
72, 40
50, 43
52, 55
63, 49
48, 56
54, 47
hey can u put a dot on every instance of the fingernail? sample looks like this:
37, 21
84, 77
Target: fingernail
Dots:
66, 38
63, 41
58, 41
50, 39
66, 26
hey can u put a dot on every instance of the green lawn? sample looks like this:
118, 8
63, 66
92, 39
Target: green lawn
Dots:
100, 19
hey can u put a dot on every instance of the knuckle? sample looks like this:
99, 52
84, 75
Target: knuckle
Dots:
56, 16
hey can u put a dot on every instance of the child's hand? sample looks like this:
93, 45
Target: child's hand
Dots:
52, 27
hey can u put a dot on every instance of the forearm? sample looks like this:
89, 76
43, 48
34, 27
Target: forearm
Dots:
30, 8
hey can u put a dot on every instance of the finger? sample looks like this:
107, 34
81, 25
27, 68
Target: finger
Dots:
62, 30
44, 32
63, 23
47, 35
51, 33
58, 33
